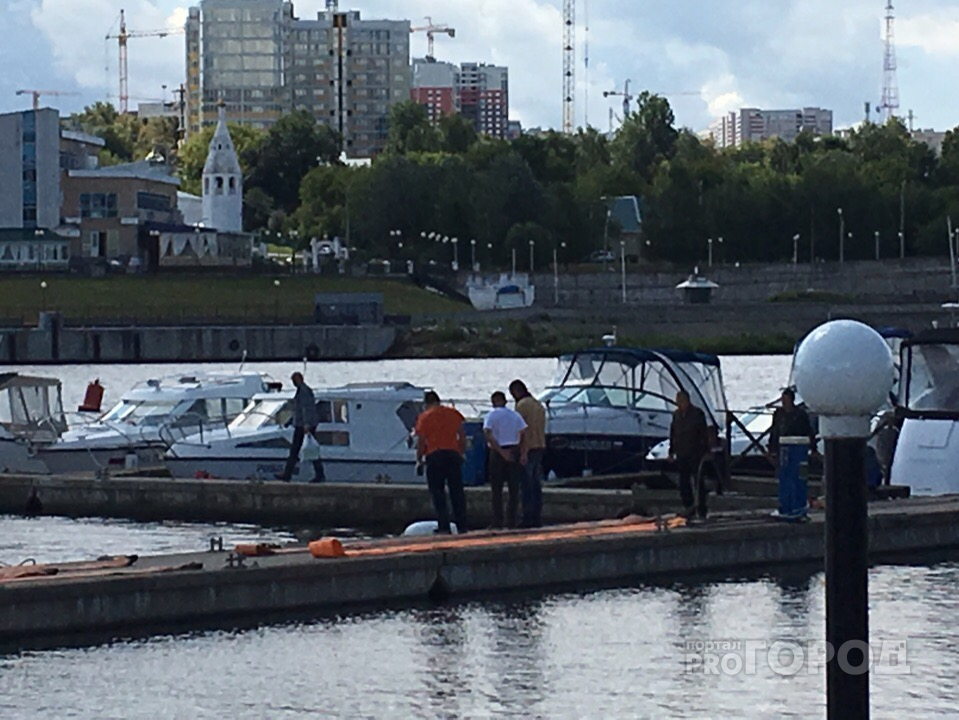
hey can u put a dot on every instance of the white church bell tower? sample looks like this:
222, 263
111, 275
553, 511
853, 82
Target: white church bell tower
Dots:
222, 181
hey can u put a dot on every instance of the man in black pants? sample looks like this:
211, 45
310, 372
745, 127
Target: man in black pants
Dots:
441, 443
688, 447
305, 420
504, 429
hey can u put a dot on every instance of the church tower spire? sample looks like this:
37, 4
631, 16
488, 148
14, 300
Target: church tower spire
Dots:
222, 181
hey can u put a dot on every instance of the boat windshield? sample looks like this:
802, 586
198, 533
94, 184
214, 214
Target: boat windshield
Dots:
138, 412
599, 380
934, 377
31, 407
261, 413
709, 379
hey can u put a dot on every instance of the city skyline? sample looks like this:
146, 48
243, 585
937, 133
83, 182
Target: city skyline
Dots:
737, 54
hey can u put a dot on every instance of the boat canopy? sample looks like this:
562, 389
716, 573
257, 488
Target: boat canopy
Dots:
32, 405
635, 378
930, 366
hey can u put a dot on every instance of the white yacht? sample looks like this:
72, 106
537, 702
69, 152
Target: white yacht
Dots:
608, 406
365, 434
150, 416
926, 456
31, 415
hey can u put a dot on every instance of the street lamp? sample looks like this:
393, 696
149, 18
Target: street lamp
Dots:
842, 237
709, 244
902, 245
532, 246
456, 259
43, 295
720, 249
877, 244
473, 254
276, 301
622, 261
796, 249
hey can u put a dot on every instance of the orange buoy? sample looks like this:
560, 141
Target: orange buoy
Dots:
328, 547
93, 397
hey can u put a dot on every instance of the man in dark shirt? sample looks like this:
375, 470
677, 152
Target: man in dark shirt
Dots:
789, 420
688, 447
305, 420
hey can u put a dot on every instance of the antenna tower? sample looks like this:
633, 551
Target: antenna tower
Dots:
569, 66
890, 86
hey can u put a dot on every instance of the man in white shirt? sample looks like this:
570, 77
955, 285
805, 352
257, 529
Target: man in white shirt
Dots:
504, 430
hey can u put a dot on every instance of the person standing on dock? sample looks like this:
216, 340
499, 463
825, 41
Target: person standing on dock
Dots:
688, 448
532, 449
791, 440
305, 420
441, 444
504, 429
789, 420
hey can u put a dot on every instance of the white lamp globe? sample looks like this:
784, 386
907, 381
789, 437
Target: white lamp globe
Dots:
844, 368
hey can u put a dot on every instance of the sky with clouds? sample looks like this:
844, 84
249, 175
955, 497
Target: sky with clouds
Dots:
711, 56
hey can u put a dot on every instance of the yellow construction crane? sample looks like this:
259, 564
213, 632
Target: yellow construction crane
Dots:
430, 29
37, 93
122, 38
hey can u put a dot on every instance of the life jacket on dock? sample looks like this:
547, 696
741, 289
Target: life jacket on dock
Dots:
93, 398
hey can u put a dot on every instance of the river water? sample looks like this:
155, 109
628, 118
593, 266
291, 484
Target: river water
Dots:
595, 653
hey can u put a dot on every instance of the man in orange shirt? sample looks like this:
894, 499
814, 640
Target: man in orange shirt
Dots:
441, 442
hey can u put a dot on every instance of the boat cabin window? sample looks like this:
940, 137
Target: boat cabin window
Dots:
261, 413
214, 409
27, 406
934, 377
138, 412
335, 438
333, 411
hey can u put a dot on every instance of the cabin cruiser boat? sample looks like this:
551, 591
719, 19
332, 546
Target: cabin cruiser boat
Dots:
926, 455
365, 435
31, 414
608, 406
151, 415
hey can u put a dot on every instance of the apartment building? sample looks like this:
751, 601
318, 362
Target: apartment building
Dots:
477, 91
755, 125
262, 61
30, 169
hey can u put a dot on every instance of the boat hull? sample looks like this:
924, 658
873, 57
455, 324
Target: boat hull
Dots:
59, 460
575, 455
16, 457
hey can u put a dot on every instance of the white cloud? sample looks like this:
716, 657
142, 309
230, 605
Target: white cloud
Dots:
935, 35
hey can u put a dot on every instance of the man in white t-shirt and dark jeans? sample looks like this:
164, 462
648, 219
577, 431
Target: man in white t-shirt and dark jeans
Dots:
504, 430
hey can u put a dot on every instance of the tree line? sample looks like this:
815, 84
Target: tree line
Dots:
765, 201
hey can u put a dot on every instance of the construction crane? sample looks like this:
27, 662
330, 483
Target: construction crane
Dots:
122, 37
37, 93
627, 98
430, 29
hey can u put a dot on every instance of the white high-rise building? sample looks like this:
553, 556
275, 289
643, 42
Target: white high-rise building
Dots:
222, 182
755, 125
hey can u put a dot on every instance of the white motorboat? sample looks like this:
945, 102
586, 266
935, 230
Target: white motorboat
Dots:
500, 292
926, 455
608, 406
148, 417
365, 435
31, 415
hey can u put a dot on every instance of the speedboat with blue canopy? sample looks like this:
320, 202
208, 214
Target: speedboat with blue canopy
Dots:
606, 407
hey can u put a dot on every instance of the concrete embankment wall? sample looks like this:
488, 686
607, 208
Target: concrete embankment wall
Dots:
37, 612
890, 282
56, 344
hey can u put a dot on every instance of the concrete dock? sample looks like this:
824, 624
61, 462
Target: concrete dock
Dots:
207, 589
387, 507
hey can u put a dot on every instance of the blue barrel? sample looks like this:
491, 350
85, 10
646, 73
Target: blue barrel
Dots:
474, 464
793, 491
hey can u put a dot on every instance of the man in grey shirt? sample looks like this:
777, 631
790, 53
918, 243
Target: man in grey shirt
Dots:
305, 420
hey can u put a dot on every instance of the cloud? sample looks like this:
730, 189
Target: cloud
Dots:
934, 35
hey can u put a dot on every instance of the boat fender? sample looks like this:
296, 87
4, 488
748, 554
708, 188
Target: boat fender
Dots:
256, 549
425, 527
93, 398
312, 352
34, 505
328, 547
